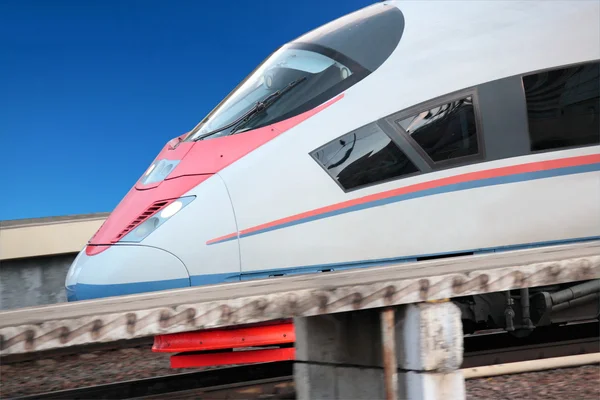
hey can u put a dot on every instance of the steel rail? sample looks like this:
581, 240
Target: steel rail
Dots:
276, 378
149, 314
274, 388
219, 378
534, 352
501, 340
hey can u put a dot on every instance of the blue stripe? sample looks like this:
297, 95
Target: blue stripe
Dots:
84, 291
261, 274
523, 177
212, 279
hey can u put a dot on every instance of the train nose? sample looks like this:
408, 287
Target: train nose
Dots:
122, 270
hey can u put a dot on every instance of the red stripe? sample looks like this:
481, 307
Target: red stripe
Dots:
467, 177
230, 236
219, 339
232, 358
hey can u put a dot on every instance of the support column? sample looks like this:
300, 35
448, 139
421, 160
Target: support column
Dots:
407, 352
429, 339
339, 356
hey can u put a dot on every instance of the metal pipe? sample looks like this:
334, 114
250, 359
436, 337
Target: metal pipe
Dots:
531, 365
525, 317
576, 302
575, 291
390, 364
509, 313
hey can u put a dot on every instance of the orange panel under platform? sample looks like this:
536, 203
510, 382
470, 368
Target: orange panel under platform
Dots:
232, 358
218, 339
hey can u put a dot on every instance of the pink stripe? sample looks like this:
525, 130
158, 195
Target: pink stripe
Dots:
471, 176
230, 236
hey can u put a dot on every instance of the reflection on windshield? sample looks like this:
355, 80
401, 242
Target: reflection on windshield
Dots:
319, 73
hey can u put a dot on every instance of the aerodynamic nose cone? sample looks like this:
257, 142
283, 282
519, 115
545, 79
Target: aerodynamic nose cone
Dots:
122, 270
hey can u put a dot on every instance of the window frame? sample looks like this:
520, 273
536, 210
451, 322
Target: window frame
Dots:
539, 71
418, 156
392, 139
480, 156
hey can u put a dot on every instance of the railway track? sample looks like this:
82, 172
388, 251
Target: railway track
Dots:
501, 348
138, 343
257, 379
275, 380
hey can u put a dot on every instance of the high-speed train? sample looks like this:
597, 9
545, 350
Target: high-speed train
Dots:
404, 131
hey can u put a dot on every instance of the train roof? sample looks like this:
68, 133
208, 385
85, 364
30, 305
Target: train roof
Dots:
448, 46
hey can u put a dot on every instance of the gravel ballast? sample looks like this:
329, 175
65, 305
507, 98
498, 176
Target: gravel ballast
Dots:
576, 383
68, 372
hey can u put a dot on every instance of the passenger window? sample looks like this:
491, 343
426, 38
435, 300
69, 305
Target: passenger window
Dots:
445, 132
363, 157
563, 106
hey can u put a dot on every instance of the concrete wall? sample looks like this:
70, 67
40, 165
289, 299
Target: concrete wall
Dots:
34, 281
47, 236
36, 253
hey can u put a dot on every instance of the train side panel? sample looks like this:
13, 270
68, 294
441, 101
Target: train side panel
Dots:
509, 210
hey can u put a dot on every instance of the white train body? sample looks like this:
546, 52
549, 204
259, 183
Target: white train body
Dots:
355, 180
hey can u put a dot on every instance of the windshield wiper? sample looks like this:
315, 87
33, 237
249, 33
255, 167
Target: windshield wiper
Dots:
266, 103
256, 109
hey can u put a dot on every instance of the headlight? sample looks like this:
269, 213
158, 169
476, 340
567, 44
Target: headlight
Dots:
158, 171
171, 209
152, 223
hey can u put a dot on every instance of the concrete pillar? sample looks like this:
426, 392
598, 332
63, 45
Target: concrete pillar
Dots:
342, 356
429, 339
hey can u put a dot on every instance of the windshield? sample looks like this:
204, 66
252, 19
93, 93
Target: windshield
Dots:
307, 72
298, 77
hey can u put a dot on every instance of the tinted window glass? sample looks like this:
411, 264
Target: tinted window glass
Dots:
562, 107
364, 157
445, 132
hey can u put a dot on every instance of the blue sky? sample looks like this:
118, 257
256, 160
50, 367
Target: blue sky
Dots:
91, 90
